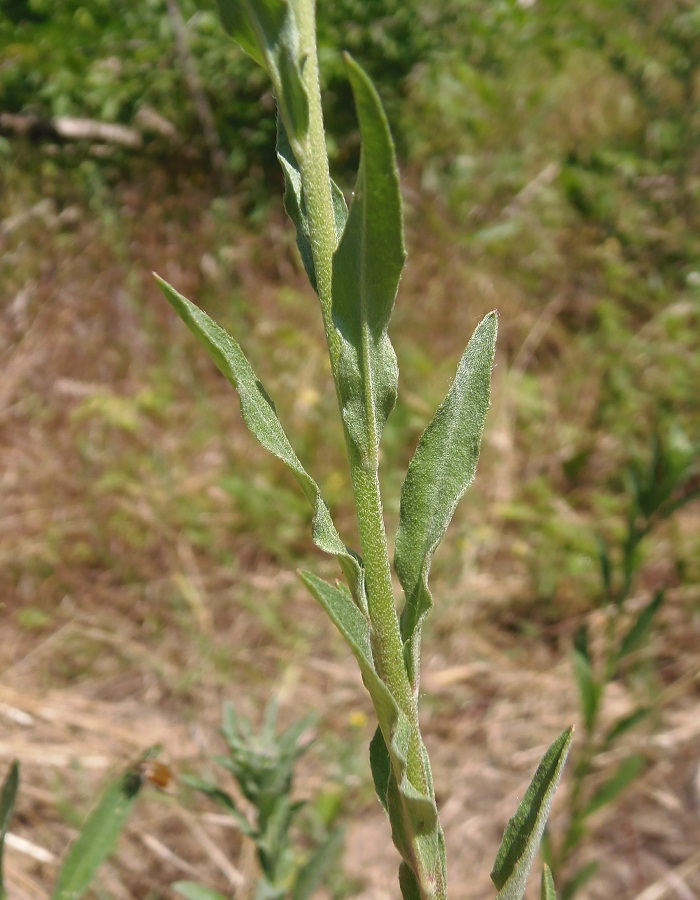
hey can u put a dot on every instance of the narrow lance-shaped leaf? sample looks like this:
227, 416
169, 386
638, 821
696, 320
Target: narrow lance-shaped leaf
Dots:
255, 26
441, 470
260, 417
624, 724
354, 627
366, 270
524, 831
580, 878
589, 689
266, 30
640, 628
98, 837
414, 821
547, 891
410, 889
221, 797
606, 568
8, 796
624, 775
295, 203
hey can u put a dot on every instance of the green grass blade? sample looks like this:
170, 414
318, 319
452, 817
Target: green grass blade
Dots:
588, 687
261, 418
547, 891
624, 775
98, 837
524, 831
441, 470
8, 796
582, 877
625, 724
366, 270
641, 627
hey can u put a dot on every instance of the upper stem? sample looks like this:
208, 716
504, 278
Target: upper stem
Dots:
313, 164
315, 174
387, 644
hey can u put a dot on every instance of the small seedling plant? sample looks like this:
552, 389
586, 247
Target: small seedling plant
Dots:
262, 764
353, 258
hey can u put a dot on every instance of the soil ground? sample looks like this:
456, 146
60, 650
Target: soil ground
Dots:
143, 584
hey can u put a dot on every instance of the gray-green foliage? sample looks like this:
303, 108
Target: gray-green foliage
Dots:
263, 765
354, 260
443, 467
547, 891
524, 832
657, 488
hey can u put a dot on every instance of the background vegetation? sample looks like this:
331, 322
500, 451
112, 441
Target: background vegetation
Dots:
551, 164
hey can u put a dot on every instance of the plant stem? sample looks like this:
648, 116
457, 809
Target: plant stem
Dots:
386, 635
313, 164
387, 644
315, 174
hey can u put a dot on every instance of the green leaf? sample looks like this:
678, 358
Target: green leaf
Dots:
8, 796
606, 570
223, 799
295, 203
261, 418
639, 630
292, 93
366, 270
255, 25
192, 891
626, 723
413, 815
626, 772
266, 30
547, 891
524, 830
581, 642
380, 764
582, 876
272, 841
317, 869
441, 470
410, 889
355, 628
588, 687
98, 837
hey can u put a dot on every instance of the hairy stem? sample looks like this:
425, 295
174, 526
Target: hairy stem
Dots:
387, 644
313, 164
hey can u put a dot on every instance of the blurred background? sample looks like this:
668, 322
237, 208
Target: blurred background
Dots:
550, 161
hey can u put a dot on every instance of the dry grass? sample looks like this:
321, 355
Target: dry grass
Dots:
140, 588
